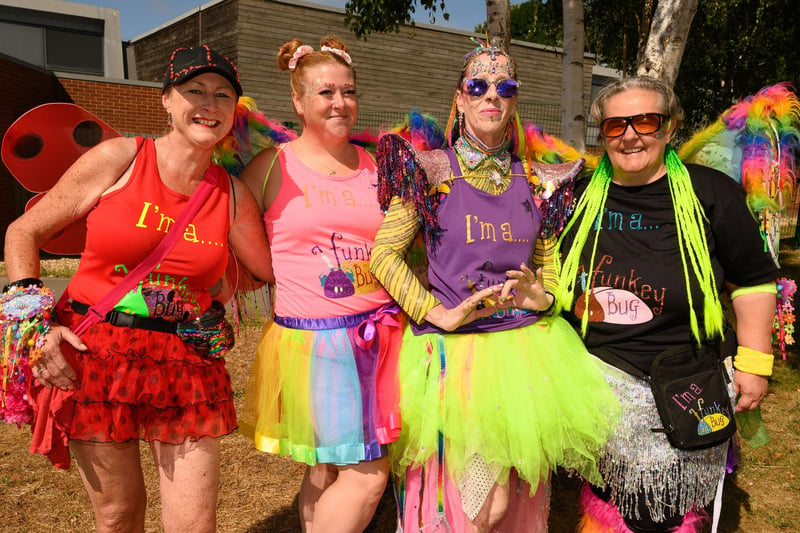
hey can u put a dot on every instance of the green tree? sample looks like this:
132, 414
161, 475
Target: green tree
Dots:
734, 47
367, 16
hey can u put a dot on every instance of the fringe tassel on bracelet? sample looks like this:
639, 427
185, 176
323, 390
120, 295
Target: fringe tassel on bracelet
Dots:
24, 321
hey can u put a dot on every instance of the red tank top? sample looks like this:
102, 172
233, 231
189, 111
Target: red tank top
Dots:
128, 223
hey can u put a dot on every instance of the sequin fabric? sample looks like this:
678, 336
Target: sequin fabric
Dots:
640, 463
479, 478
554, 185
436, 165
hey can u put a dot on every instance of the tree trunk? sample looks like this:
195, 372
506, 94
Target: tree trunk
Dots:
498, 23
645, 22
668, 33
573, 119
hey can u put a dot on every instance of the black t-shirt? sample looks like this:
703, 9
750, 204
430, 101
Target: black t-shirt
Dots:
638, 306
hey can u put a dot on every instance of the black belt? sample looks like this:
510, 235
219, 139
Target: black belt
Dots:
117, 318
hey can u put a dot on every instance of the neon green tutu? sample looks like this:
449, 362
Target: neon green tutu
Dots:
530, 398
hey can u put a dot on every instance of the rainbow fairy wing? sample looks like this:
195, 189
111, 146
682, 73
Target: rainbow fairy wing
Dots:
41, 145
251, 133
755, 142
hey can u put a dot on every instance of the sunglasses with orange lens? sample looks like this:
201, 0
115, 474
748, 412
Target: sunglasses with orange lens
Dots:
643, 124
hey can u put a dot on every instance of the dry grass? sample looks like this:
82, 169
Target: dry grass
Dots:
258, 491
53, 268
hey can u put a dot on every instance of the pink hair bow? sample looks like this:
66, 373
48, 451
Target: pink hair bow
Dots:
300, 52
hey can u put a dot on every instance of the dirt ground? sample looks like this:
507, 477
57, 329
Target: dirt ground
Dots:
259, 491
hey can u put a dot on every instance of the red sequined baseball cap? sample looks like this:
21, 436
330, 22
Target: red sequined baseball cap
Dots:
186, 63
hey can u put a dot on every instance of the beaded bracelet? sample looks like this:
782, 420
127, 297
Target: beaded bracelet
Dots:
25, 318
24, 282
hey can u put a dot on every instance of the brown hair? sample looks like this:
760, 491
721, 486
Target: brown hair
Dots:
312, 59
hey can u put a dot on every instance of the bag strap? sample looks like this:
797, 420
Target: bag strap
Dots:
98, 311
615, 360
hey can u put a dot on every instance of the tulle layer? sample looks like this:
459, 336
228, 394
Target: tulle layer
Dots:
139, 384
530, 398
324, 396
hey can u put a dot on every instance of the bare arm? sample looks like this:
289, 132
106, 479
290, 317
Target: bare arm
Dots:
264, 188
248, 238
72, 197
754, 315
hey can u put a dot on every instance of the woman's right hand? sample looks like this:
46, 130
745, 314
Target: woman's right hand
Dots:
52, 367
467, 311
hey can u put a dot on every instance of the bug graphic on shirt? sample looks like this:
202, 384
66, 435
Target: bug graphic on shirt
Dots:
336, 282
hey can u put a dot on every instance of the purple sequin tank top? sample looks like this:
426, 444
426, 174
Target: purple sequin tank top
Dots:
483, 236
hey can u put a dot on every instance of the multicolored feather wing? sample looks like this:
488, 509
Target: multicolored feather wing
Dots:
251, 133
755, 142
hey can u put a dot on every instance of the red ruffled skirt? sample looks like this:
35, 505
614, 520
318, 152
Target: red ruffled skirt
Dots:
132, 384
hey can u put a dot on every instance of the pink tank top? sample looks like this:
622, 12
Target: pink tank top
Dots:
321, 231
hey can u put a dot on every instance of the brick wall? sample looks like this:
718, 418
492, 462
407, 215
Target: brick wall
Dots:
126, 108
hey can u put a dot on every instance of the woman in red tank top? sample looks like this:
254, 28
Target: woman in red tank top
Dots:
103, 392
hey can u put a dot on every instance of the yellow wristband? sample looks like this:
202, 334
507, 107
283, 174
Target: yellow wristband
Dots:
753, 361
766, 288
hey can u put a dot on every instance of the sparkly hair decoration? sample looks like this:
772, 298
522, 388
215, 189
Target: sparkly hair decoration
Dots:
341, 53
24, 321
300, 52
486, 68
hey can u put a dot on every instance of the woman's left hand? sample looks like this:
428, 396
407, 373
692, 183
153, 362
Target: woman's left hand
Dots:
52, 368
750, 390
524, 289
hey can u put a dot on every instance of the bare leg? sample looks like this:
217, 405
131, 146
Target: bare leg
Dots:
189, 483
315, 481
350, 502
112, 476
492, 511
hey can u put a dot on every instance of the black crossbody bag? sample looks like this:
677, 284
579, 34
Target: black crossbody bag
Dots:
690, 387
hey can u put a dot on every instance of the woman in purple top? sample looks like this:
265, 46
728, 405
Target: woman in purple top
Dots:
495, 392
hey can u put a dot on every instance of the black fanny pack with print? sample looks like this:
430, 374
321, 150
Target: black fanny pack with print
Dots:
690, 387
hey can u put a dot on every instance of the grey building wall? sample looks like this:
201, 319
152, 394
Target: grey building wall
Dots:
50, 10
415, 68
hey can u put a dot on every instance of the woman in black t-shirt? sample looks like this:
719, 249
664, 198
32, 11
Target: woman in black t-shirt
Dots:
671, 239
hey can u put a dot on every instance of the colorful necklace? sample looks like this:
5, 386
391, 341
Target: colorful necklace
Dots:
473, 153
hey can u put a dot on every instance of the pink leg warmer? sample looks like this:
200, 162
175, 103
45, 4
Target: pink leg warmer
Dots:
599, 516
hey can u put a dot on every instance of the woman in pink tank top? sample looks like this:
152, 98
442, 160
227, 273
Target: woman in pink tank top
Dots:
323, 384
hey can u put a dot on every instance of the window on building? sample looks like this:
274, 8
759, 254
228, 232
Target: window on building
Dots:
53, 40
74, 52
